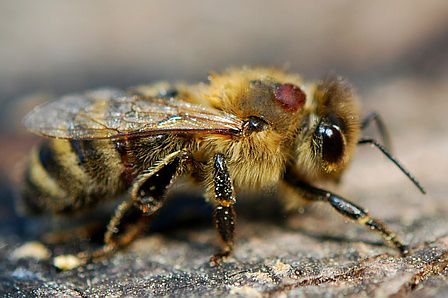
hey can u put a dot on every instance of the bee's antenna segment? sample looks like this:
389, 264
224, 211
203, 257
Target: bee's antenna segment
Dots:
393, 159
375, 117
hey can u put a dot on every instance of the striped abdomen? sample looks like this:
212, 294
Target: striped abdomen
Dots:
64, 176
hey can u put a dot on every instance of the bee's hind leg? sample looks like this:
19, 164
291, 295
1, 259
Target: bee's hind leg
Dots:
126, 224
133, 217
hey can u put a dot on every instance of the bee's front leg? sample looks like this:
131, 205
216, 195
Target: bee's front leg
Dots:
225, 212
346, 208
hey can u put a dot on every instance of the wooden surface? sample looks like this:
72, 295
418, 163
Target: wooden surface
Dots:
400, 68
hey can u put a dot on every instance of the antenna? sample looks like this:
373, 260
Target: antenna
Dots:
393, 159
374, 116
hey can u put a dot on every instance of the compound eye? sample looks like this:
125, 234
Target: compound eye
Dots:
332, 143
289, 96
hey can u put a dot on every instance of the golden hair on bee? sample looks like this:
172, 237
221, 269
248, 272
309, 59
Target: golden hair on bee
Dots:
246, 130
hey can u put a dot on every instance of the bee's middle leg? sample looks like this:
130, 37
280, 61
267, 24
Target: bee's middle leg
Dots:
225, 213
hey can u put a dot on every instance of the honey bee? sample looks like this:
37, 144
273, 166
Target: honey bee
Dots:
247, 129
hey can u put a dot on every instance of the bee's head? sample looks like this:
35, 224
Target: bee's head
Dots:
329, 131
317, 127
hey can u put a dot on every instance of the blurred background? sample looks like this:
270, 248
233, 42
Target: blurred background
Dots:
395, 53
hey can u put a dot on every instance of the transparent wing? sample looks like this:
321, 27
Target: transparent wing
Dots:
107, 113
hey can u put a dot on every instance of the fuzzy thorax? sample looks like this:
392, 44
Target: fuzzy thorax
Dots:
255, 162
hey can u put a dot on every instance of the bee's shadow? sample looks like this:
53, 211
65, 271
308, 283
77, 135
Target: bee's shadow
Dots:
179, 212
340, 239
190, 211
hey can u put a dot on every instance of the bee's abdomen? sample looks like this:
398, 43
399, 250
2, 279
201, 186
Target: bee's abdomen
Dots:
67, 176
